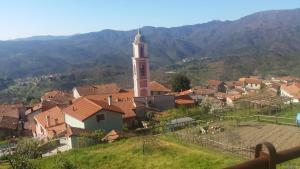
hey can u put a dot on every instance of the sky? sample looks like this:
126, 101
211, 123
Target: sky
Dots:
25, 18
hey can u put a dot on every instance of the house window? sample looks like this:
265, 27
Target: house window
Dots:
100, 117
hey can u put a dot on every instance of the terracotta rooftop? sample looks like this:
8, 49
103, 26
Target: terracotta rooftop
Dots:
123, 101
252, 81
7, 122
82, 108
158, 87
122, 96
57, 97
234, 96
186, 92
51, 117
184, 101
203, 91
33, 108
220, 95
52, 120
98, 89
293, 89
288, 78
234, 83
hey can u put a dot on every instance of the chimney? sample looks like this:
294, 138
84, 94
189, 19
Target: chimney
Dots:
47, 121
109, 100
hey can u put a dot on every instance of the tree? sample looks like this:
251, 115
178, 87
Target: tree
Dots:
180, 82
26, 149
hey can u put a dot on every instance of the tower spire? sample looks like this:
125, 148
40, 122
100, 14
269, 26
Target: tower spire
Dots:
139, 32
140, 62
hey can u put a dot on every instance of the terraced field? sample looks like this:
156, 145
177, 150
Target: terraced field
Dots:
249, 134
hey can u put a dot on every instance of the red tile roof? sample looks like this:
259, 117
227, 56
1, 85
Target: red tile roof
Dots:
55, 116
52, 120
186, 92
9, 116
184, 102
58, 97
293, 89
158, 87
82, 108
203, 91
123, 100
98, 89
252, 81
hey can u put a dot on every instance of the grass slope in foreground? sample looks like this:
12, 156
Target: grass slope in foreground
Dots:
162, 152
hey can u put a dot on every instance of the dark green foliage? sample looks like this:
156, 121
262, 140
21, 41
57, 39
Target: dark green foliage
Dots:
64, 163
180, 82
26, 149
19, 161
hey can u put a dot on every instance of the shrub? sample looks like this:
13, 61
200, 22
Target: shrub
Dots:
64, 163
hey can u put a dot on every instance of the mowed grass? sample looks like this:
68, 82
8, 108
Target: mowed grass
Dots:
162, 152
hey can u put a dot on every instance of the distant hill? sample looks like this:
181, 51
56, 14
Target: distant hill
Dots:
46, 37
259, 43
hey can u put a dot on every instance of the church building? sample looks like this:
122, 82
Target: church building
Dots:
141, 79
140, 62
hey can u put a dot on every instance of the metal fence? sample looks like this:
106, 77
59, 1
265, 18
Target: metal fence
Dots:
269, 159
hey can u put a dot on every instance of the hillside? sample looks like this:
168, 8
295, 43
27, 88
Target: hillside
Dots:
165, 153
270, 36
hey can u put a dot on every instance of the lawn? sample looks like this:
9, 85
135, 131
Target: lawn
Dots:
161, 152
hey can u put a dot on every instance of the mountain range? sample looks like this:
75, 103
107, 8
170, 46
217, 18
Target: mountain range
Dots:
261, 43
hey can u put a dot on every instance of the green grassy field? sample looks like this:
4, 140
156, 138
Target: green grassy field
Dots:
162, 152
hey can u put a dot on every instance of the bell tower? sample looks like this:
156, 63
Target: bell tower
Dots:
140, 63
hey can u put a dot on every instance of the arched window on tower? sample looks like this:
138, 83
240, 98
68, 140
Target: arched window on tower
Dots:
142, 69
141, 50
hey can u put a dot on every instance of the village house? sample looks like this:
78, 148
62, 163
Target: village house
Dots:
184, 99
291, 91
219, 86
29, 121
48, 100
124, 101
94, 115
232, 97
10, 120
234, 85
251, 83
49, 124
286, 79
157, 88
57, 98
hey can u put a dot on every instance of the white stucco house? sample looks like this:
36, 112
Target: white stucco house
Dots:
93, 115
252, 84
